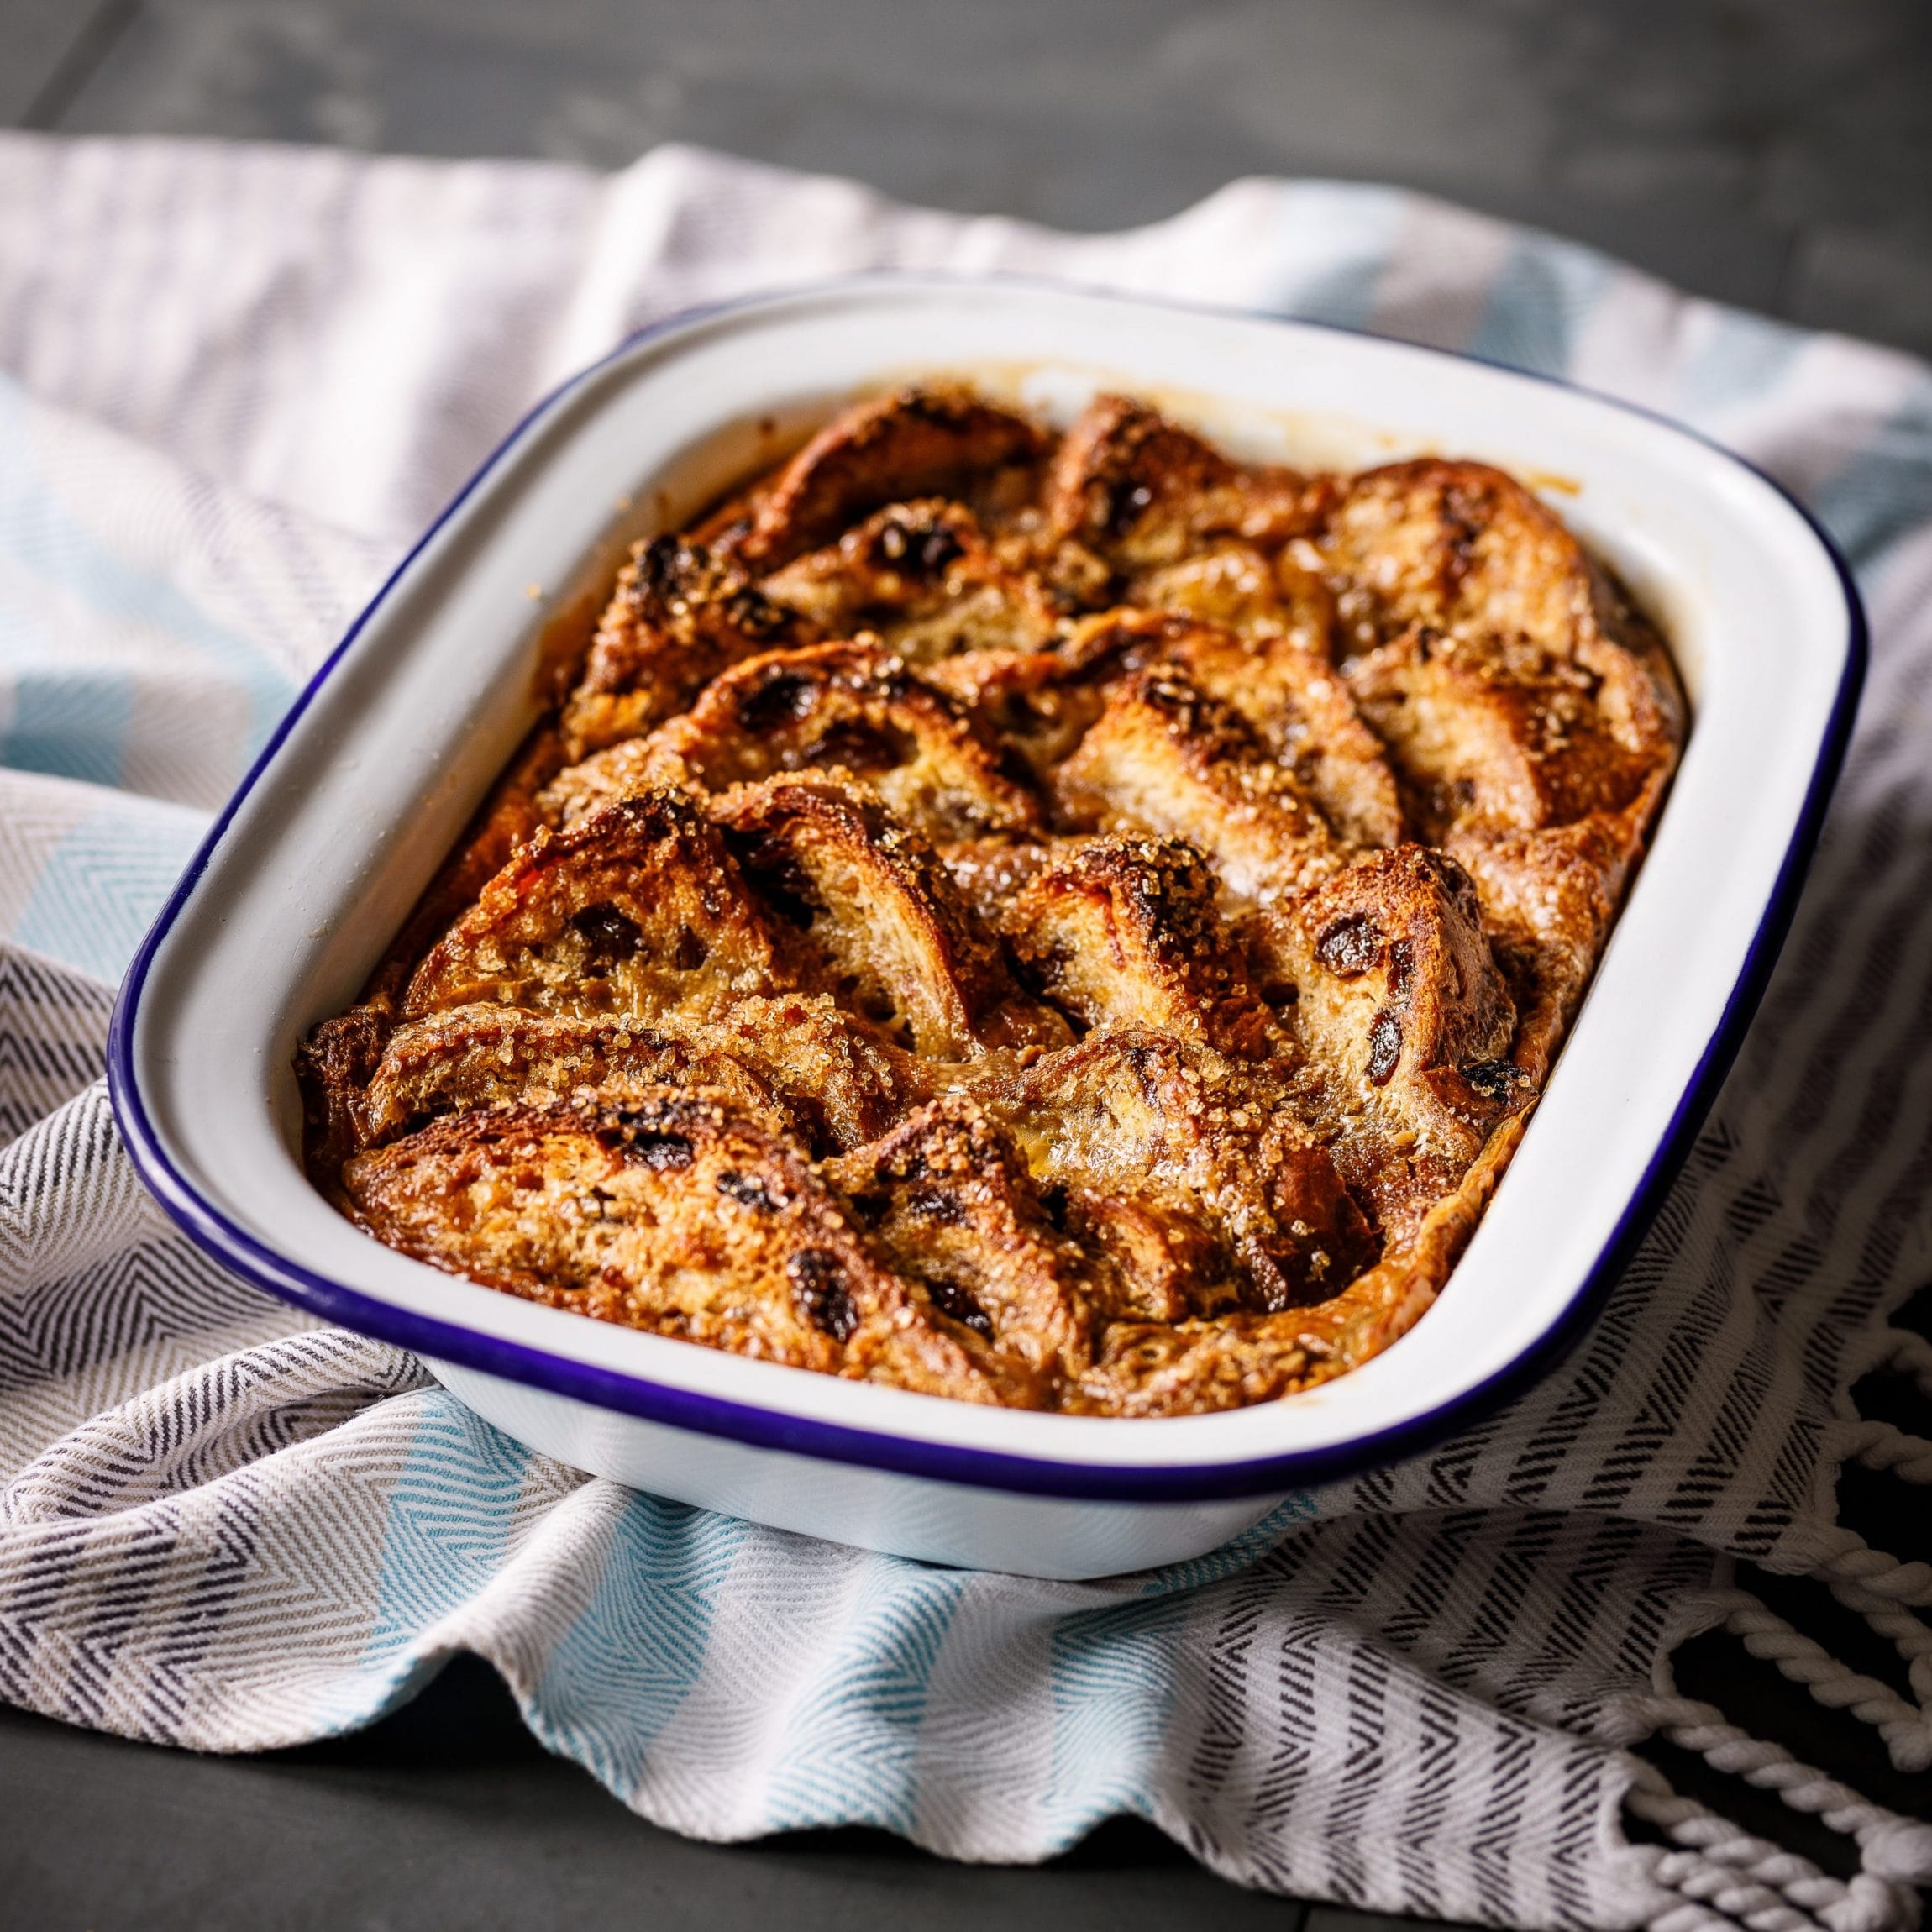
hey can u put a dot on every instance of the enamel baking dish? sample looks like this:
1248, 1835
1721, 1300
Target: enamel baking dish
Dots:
373, 773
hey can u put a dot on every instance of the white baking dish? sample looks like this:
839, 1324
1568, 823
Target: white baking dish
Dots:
372, 776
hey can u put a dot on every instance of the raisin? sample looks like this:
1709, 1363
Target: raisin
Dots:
1146, 1065
910, 1163
784, 884
611, 937
1351, 945
669, 565
953, 1301
940, 549
1495, 1079
933, 1204
821, 1295
1401, 965
1127, 501
1271, 1282
1462, 524
781, 695
917, 548
748, 1190
756, 615
869, 1210
1384, 1048
853, 744
655, 1148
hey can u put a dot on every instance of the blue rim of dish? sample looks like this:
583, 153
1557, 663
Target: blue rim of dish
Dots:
949, 1463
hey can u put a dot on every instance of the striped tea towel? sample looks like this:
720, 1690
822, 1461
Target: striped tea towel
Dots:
232, 383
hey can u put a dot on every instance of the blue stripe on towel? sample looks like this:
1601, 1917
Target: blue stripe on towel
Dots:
1331, 247
71, 720
1740, 358
103, 883
450, 1513
1113, 1676
1886, 488
1287, 1516
633, 1655
850, 1755
1543, 291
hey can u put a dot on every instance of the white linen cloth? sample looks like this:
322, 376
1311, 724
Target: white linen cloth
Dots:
233, 384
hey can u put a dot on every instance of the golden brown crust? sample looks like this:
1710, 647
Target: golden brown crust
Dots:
1548, 898
680, 615
638, 910
919, 442
1487, 648
949, 1201
334, 1066
1239, 587
888, 932
922, 578
671, 1213
854, 708
841, 1081
1131, 1112
1166, 758
1139, 490
1073, 924
794, 1063
1123, 932
1490, 730
1456, 547
467, 1058
1397, 1000
1532, 713
1298, 709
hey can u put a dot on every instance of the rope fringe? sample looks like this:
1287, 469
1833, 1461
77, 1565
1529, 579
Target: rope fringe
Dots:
1906, 1630
1725, 1877
1885, 1445
1906, 1728
1885, 1591
1850, 1559
1890, 1847
1908, 1354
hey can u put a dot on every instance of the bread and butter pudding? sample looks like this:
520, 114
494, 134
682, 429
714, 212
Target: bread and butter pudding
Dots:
1066, 921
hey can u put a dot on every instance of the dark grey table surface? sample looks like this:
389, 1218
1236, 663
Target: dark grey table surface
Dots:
1774, 153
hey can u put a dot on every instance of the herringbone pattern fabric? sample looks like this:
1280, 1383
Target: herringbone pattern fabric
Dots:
223, 1527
